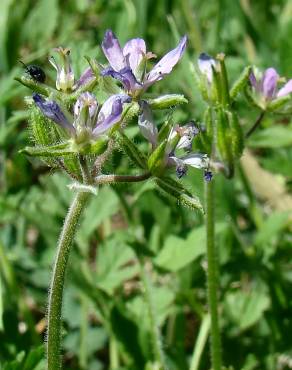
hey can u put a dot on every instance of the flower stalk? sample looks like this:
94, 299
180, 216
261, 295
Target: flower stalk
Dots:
255, 125
54, 314
212, 277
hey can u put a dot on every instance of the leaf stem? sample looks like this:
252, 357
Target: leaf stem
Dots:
212, 277
255, 125
54, 360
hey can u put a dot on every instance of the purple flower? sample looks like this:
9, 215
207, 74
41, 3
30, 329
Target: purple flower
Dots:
85, 78
180, 137
128, 65
52, 110
110, 113
86, 118
266, 86
206, 65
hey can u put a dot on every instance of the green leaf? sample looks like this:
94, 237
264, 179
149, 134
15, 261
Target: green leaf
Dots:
177, 191
178, 253
131, 150
127, 333
33, 358
246, 308
272, 137
240, 84
99, 210
271, 227
41, 22
115, 264
162, 300
59, 150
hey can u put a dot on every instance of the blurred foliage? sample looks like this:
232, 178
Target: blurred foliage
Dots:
106, 323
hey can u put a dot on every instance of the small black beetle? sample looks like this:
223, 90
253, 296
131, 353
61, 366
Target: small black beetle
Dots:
35, 72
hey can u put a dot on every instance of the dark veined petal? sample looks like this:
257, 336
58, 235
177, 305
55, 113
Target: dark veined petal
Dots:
86, 99
166, 64
134, 51
86, 76
112, 50
125, 76
285, 90
51, 110
110, 113
146, 124
269, 83
253, 81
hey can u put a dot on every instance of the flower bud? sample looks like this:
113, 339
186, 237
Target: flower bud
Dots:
167, 101
157, 160
65, 75
176, 190
224, 140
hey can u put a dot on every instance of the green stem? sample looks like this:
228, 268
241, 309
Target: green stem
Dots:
114, 354
54, 360
255, 125
200, 343
154, 328
111, 179
212, 277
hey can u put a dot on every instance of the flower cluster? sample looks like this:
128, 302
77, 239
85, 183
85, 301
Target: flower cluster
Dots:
73, 106
87, 120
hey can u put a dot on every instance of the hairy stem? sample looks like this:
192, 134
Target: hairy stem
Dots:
212, 277
111, 179
255, 125
53, 344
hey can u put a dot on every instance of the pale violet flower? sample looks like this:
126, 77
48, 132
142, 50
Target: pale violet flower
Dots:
266, 86
187, 134
128, 64
86, 115
65, 80
180, 137
65, 75
206, 64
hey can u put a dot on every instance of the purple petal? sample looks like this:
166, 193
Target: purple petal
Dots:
112, 50
253, 80
208, 176
269, 83
85, 78
125, 76
110, 113
51, 110
285, 90
205, 64
166, 64
134, 51
86, 99
146, 124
